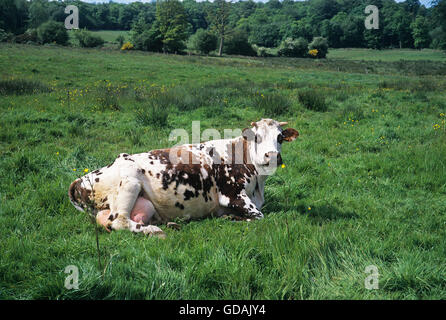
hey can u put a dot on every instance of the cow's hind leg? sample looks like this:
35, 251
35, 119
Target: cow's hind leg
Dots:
243, 206
128, 191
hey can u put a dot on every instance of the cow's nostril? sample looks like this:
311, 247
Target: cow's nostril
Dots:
267, 155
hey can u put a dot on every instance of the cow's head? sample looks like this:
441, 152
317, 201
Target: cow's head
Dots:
265, 139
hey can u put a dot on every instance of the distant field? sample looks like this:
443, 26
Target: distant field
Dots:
111, 35
364, 184
387, 55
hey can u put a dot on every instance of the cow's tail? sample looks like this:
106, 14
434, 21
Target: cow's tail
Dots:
75, 194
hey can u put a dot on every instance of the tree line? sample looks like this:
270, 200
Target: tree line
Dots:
243, 27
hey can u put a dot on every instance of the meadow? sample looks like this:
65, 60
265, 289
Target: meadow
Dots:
364, 184
387, 55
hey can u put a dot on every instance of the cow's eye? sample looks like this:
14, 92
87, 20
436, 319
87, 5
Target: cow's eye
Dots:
257, 139
280, 138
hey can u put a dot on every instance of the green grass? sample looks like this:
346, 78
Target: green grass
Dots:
387, 55
364, 184
109, 37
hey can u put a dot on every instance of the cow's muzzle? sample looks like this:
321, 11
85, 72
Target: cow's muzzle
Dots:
273, 158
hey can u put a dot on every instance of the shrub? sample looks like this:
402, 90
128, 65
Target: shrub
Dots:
30, 35
237, 43
263, 51
312, 100
87, 39
203, 41
321, 45
293, 48
313, 53
4, 36
127, 46
52, 31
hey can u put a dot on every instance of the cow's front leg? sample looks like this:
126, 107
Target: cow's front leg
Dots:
128, 191
242, 205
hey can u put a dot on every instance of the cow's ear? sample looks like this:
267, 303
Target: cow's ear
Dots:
248, 134
290, 134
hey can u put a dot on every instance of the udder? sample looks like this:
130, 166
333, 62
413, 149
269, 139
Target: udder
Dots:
142, 212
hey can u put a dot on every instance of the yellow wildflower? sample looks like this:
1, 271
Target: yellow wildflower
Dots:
313, 52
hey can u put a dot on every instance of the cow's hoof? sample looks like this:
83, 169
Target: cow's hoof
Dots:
173, 225
154, 231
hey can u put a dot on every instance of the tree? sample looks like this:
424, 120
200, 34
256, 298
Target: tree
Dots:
237, 43
420, 32
204, 41
146, 37
373, 38
263, 31
126, 17
439, 33
172, 22
301, 28
13, 15
218, 17
38, 13
52, 31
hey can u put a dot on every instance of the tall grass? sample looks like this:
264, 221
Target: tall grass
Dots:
312, 100
272, 104
22, 86
153, 113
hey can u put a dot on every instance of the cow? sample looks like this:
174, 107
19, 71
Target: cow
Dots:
227, 177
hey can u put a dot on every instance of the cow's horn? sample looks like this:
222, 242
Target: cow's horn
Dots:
254, 124
283, 123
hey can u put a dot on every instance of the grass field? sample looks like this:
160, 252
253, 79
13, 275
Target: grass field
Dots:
387, 55
109, 37
364, 184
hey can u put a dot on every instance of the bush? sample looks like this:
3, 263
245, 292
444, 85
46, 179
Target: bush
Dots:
293, 48
5, 36
149, 40
237, 43
127, 46
203, 41
30, 35
52, 32
87, 39
312, 100
321, 45
263, 51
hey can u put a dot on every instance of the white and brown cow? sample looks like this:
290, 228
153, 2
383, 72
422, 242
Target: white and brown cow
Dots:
191, 181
